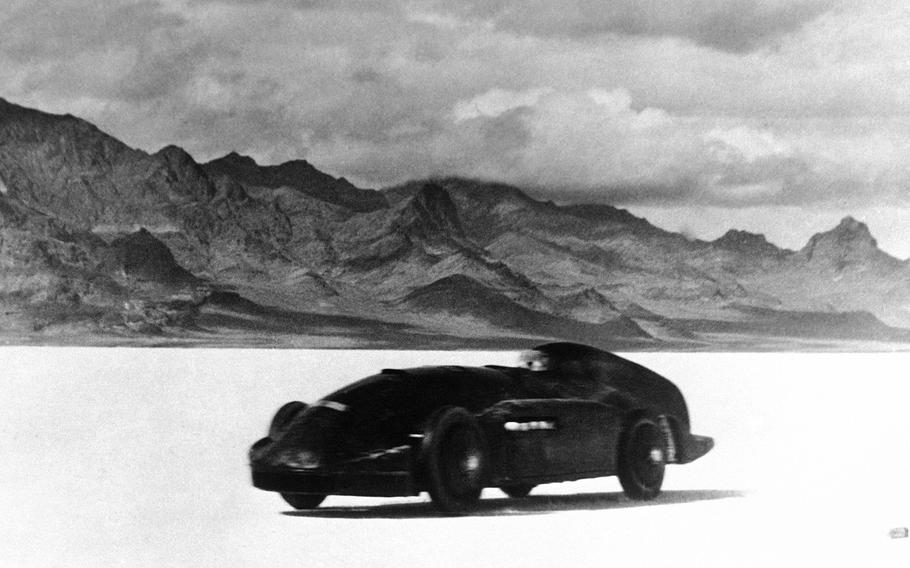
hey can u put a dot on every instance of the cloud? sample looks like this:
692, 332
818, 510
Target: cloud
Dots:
731, 25
39, 31
749, 143
146, 72
115, 52
378, 5
734, 103
597, 145
496, 102
596, 139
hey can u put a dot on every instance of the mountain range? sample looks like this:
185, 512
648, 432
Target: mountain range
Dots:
103, 243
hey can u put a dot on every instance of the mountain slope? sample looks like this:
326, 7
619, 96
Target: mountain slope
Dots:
841, 270
67, 168
118, 238
464, 297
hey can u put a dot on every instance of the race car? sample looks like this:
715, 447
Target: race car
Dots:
567, 412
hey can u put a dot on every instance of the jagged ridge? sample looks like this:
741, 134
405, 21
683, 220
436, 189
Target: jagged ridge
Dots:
532, 264
297, 174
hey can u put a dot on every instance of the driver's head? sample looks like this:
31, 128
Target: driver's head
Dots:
535, 360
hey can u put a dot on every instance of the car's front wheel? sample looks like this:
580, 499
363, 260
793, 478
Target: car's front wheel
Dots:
642, 458
302, 501
453, 458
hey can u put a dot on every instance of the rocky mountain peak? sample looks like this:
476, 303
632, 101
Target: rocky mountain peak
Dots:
850, 242
848, 234
58, 137
240, 167
465, 191
68, 168
746, 242
238, 159
183, 172
175, 155
295, 173
433, 196
431, 214
299, 175
849, 226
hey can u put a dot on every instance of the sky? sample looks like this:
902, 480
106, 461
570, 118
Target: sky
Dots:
775, 116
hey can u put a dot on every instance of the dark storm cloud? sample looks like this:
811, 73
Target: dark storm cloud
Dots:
731, 25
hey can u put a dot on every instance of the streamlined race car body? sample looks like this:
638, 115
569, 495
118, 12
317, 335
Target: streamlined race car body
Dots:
568, 412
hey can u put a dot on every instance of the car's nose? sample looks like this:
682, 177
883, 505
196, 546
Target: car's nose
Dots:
299, 459
309, 443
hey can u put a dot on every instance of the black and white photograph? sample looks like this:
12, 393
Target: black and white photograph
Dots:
507, 283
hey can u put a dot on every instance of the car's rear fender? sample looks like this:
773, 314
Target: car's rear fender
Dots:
682, 446
695, 447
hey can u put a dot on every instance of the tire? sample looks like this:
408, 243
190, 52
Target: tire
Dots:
453, 460
518, 491
303, 501
283, 418
642, 458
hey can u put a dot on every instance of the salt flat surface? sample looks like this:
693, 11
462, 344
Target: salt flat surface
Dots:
137, 457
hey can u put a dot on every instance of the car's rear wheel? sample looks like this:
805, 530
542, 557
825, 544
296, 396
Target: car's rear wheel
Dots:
518, 490
302, 501
642, 458
453, 460
283, 418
